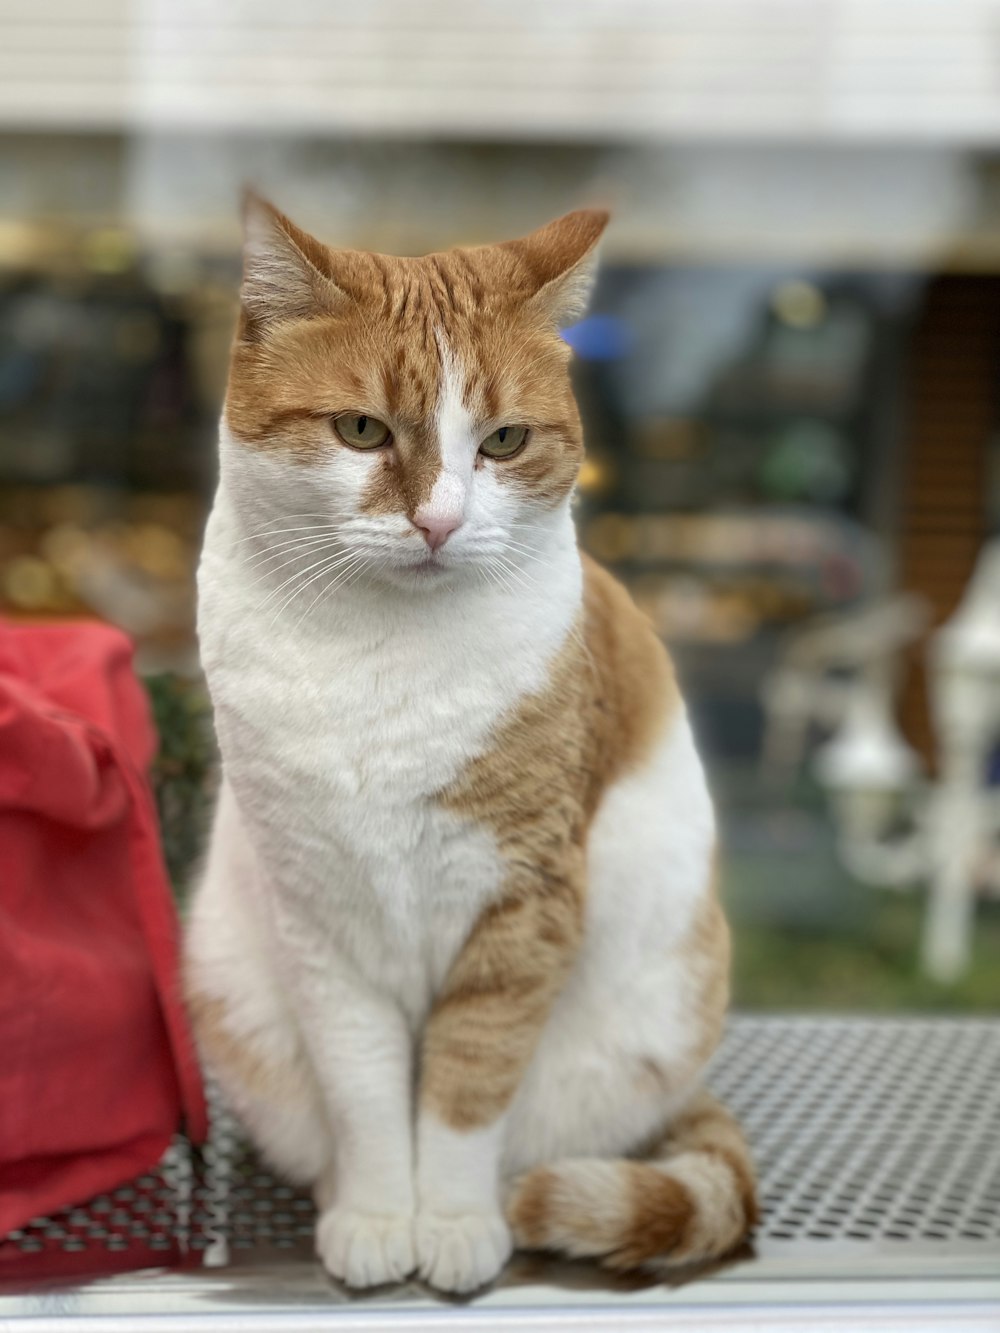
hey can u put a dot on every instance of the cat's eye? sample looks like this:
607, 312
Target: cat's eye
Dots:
361, 432
505, 442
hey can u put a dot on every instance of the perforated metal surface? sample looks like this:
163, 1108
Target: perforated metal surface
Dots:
870, 1131
870, 1135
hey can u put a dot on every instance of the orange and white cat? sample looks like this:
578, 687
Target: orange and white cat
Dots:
456, 957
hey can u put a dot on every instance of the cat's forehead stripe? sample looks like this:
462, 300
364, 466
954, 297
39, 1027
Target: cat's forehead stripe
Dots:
406, 478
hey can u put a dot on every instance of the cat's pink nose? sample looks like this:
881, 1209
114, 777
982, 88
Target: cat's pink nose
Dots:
436, 528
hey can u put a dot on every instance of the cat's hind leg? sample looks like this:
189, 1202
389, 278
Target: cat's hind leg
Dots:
613, 1150
246, 1033
271, 1090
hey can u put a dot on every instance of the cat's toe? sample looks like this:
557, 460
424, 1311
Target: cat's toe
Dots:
463, 1251
365, 1249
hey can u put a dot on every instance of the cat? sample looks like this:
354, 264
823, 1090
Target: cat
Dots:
456, 957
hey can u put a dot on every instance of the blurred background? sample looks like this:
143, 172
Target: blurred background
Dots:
789, 381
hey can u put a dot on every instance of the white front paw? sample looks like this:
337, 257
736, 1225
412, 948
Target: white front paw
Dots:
461, 1251
365, 1249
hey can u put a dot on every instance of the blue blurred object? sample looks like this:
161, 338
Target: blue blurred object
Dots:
599, 338
20, 376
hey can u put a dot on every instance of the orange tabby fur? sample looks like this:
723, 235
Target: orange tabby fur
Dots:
610, 697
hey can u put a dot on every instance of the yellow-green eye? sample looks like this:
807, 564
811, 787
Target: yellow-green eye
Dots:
361, 432
505, 442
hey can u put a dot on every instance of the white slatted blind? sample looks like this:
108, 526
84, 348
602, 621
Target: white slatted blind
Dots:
914, 70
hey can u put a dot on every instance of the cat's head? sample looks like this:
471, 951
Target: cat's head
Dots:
418, 411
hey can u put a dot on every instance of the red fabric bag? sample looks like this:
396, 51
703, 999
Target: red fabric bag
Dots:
97, 1067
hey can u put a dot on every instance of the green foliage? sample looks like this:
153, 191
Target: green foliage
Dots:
869, 962
183, 771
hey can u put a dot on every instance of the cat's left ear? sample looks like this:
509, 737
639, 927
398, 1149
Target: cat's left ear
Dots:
562, 261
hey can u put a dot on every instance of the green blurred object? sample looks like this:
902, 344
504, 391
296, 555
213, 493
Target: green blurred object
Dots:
792, 970
183, 772
809, 937
808, 460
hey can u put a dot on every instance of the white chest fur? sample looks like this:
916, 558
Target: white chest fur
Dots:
338, 732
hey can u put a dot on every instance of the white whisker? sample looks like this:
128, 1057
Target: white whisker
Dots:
524, 579
316, 532
291, 558
293, 577
481, 571
528, 555
306, 527
503, 574
531, 552
491, 576
524, 546
361, 564
296, 543
326, 567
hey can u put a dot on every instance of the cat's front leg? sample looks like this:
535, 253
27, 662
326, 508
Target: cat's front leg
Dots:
362, 1052
478, 1042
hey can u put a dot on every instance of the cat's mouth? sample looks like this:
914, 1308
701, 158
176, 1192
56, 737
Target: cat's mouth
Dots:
428, 566
429, 562
425, 569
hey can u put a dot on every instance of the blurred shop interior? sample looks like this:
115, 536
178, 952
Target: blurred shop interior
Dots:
789, 376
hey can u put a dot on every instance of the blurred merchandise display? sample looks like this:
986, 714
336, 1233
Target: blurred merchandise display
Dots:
102, 368
111, 364
740, 426
899, 830
127, 557
743, 432
812, 684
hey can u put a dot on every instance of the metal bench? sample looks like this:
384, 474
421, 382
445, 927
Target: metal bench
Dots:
878, 1145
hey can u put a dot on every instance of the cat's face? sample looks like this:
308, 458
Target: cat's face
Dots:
416, 411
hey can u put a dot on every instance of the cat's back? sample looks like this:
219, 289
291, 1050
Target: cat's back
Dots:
652, 836
636, 695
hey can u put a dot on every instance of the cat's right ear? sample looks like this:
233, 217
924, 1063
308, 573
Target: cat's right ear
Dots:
561, 260
285, 270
